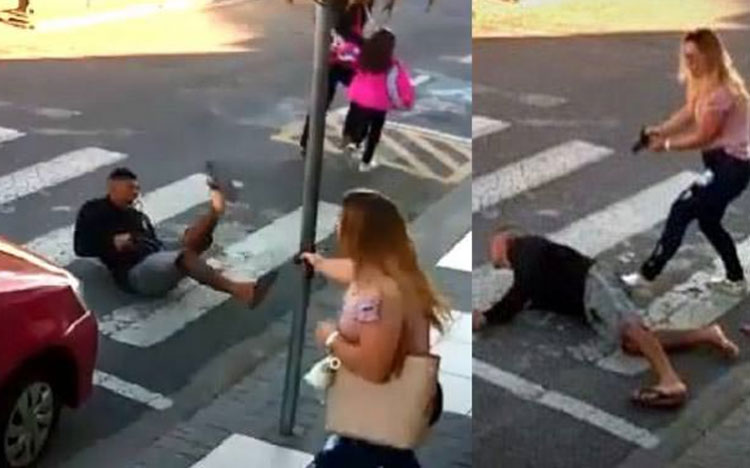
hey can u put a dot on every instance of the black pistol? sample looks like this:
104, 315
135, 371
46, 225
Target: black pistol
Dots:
643, 141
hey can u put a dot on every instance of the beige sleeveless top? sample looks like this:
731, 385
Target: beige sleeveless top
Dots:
734, 136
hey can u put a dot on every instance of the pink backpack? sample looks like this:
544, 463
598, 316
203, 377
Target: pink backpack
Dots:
344, 52
400, 88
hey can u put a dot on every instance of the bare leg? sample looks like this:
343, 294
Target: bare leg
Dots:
668, 380
197, 239
197, 268
199, 236
676, 340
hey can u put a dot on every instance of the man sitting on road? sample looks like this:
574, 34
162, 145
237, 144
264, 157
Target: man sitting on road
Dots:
553, 277
113, 230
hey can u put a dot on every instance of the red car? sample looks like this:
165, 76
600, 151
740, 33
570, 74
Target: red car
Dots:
48, 345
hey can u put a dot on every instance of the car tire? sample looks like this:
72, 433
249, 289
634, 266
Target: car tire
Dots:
33, 430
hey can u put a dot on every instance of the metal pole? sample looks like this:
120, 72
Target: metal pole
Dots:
313, 163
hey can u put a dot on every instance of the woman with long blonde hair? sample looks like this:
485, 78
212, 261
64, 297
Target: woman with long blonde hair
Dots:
389, 308
713, 120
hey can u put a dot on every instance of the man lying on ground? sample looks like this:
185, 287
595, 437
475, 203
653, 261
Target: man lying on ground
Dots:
557, 278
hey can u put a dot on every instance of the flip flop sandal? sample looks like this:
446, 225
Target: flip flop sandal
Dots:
262, 287
652, 397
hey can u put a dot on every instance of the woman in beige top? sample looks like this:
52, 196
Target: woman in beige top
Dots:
714, 120
389, 308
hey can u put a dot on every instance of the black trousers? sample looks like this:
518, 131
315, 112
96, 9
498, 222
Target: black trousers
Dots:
337, 74
705, 202
351, 453
362, 123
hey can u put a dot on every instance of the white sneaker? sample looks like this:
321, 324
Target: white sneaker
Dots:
354, 151
732, 288
635, 280
364, 167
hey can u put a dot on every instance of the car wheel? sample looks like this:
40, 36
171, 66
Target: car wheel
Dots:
29, 410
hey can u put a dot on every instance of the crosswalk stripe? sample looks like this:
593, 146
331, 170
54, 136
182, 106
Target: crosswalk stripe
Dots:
454, 349
407, 155
604, 229
240, 450
546, 166
598, 231
161, 204
465, 143
578, 409
150, 322
427, 146
55, 171
131, 391
459, 257
678, 309
420, 80
483, 126
9, 134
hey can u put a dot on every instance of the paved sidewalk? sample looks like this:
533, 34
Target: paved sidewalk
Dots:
241, 427
727, 445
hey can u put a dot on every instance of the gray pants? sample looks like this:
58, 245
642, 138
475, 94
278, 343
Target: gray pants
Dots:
157, 274
608, 309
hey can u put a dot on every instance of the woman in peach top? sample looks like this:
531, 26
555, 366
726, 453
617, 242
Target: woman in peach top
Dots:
388, 310
713, 120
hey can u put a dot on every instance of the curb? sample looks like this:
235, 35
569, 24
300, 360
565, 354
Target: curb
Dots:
710, 409
138, 10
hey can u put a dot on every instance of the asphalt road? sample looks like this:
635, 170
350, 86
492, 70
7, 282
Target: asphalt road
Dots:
164, 116
583, 100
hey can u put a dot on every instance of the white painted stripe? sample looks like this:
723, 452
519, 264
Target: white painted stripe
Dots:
578, 409
693, 304
457, 393
530, 173
420, 80
412, 159
466, 59
55, 171
459, 257
483, 126
150, 322
426, 146
604, 229
239, 450
454, 349
596, 232
131, 391
161, 204
336, 118
9, 134
430, 133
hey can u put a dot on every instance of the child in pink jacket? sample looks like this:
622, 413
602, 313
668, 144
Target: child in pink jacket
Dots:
381, 83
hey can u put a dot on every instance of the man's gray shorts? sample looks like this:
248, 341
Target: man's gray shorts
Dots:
156, 274
608, 308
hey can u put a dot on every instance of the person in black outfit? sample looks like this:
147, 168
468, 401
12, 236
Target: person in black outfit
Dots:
122, 237
554, 277
350, 22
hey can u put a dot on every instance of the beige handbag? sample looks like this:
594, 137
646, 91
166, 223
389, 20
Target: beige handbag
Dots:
395, 413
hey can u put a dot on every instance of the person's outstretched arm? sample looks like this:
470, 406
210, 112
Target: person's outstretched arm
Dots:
338, 269
508, 307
